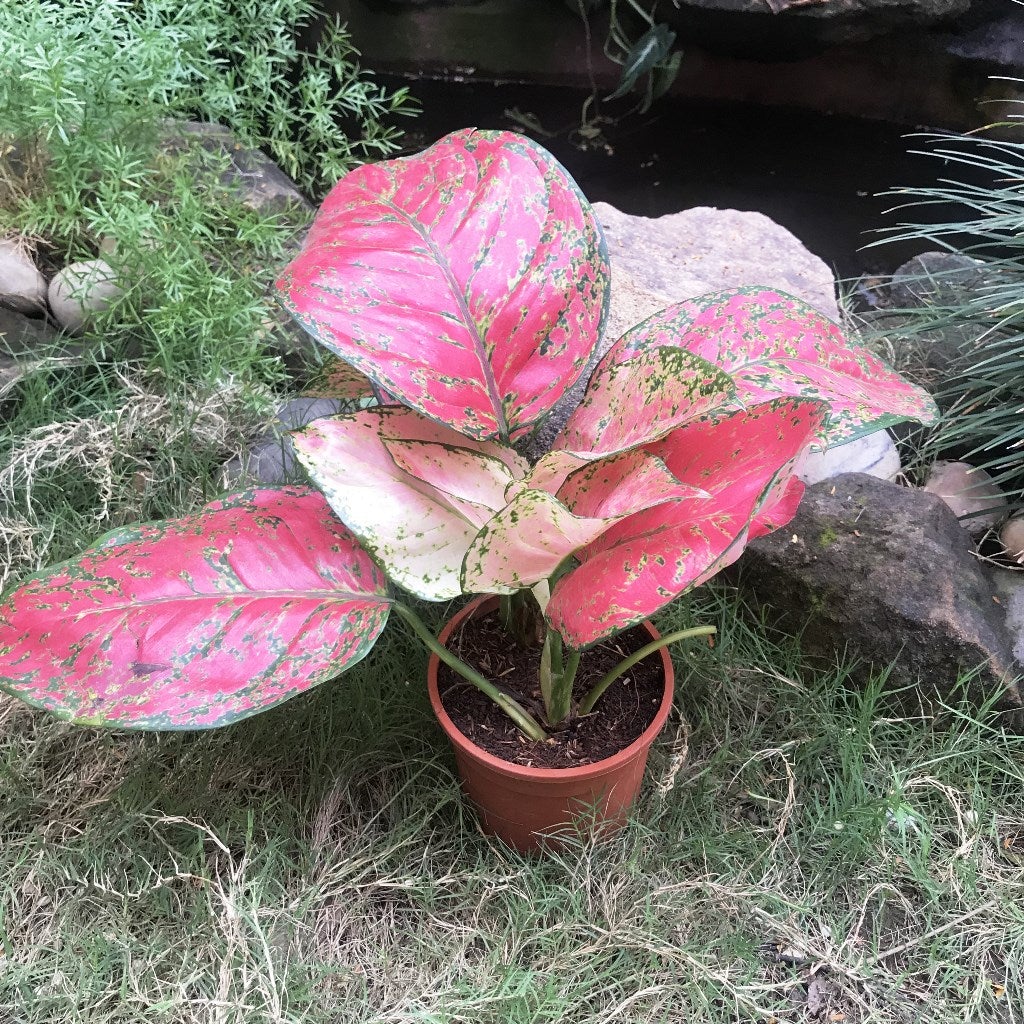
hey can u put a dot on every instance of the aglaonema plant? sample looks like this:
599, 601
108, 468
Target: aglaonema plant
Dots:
467, 286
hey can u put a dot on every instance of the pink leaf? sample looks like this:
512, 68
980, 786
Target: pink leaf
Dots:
552, 468
622, 484
468, 281
772, 344
527, 540
777, 508
341, 381
195, 622
638, 565
634, 401
414, 492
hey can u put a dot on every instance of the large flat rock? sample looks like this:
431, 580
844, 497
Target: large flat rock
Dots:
703, 249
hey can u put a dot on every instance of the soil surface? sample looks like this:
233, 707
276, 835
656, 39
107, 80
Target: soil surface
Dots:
625, 710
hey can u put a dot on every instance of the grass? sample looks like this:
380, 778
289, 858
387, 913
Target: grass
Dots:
817, 856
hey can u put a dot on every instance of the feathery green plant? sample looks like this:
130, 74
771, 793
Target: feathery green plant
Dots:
167, 383
89, 84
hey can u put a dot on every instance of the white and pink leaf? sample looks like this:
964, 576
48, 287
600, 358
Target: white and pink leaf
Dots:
414, 492
537, 531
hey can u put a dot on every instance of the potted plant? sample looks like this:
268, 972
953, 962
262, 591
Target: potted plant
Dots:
468, 286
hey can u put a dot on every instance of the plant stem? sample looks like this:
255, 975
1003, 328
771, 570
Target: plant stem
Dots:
588, 702
505, 612
561, 694
522, 718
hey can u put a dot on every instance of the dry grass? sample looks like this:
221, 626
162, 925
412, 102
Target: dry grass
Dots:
117, 462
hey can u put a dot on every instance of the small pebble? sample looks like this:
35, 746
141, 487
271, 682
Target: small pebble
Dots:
81, 290
971, 493
1011, 536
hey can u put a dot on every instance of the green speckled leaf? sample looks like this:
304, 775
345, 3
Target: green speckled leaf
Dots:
772, 344
537, 530
745, 461
635, 401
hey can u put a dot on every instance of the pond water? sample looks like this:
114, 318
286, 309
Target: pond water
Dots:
818, 175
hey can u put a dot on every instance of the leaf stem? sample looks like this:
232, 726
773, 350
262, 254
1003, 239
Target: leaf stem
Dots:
522, 718
588, 702
561, 696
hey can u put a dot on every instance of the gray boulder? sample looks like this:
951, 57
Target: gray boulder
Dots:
940, 283
937, 279
263, 187
261, 184
23, 342
24, 336
1009, 588
935, 353
886, 574
271, 458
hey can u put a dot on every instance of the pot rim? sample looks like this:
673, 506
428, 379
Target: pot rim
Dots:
641, 743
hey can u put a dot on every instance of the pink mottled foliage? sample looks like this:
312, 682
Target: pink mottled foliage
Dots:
469, 284
468, 281
771, 344
746, 461
196, 622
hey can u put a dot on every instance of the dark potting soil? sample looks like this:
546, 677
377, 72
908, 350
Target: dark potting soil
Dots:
625, 710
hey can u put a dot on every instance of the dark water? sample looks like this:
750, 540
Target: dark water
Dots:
819, 176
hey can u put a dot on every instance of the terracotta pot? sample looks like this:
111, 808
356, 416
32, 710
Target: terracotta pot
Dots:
525, 806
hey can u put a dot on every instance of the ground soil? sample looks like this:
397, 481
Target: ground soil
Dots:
625, 710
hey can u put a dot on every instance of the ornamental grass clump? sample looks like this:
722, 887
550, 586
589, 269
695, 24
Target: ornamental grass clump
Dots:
469, 286
981, 392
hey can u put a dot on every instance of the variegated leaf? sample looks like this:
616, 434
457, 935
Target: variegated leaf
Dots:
414, 492
527, 540
633, 402
475, 482
552, 468
469, 281
777, 507
772, 344
622, 484
339, 380
195, 622
524, 543
638, 565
